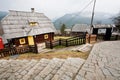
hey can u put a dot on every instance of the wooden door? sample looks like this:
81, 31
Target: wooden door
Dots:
31, 40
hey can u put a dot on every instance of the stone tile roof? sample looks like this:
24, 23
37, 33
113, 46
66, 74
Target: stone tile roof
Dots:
103, 26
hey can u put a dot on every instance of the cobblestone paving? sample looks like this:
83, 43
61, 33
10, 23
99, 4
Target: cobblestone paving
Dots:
69, 69
43, 69
103, 63
50, 70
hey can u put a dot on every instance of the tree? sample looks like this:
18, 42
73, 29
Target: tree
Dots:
62, 29
117, 21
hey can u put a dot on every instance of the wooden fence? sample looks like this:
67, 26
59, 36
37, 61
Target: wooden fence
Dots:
13, 51
66, 42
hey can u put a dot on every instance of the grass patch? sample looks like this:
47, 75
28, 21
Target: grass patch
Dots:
50, 55
57, 47
62, 37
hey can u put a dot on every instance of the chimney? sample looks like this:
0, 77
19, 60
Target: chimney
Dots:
32, 9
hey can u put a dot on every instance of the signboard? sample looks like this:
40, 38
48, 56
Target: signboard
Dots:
41, 46
101, 31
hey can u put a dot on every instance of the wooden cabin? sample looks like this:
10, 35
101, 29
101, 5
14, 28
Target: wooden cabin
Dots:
103, 30
67, 32
26, 28
80, 29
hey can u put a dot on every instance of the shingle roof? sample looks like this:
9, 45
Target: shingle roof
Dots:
103, 26
3, 39
40, 31
16, 24
81, 28
68, 30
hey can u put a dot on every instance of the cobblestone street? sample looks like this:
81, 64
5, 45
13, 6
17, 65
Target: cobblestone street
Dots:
103, 63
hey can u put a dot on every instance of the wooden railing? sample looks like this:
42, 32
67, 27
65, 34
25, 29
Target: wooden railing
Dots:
13, 51
66, 42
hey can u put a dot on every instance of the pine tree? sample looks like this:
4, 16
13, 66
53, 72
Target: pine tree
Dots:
62, 29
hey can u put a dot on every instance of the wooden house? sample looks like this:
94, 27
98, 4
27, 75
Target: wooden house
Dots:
104, 30
26, 28
80, 29
67, 31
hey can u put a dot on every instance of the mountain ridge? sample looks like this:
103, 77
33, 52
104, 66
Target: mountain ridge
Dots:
3, 14
85, 18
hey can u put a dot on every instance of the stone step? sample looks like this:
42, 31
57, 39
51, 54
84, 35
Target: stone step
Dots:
36, 69
4, 65
44, 50
50, 70
25, 69
44, 69
69, 69
10, 66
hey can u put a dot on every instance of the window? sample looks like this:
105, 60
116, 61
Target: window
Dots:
22, 41
33, 23
46, 36
101, 31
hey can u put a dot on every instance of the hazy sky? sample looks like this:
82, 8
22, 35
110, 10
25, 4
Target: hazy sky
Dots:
57, 8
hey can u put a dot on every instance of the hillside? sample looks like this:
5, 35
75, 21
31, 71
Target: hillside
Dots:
76, 18
2, 14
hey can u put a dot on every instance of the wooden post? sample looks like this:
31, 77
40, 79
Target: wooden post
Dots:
66, 43
51, 46
83, 40
35, 44
85, 37
60, 41
96, 37
91, 25
108, 34
116, 37
36, 48
79, 41
89, 38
